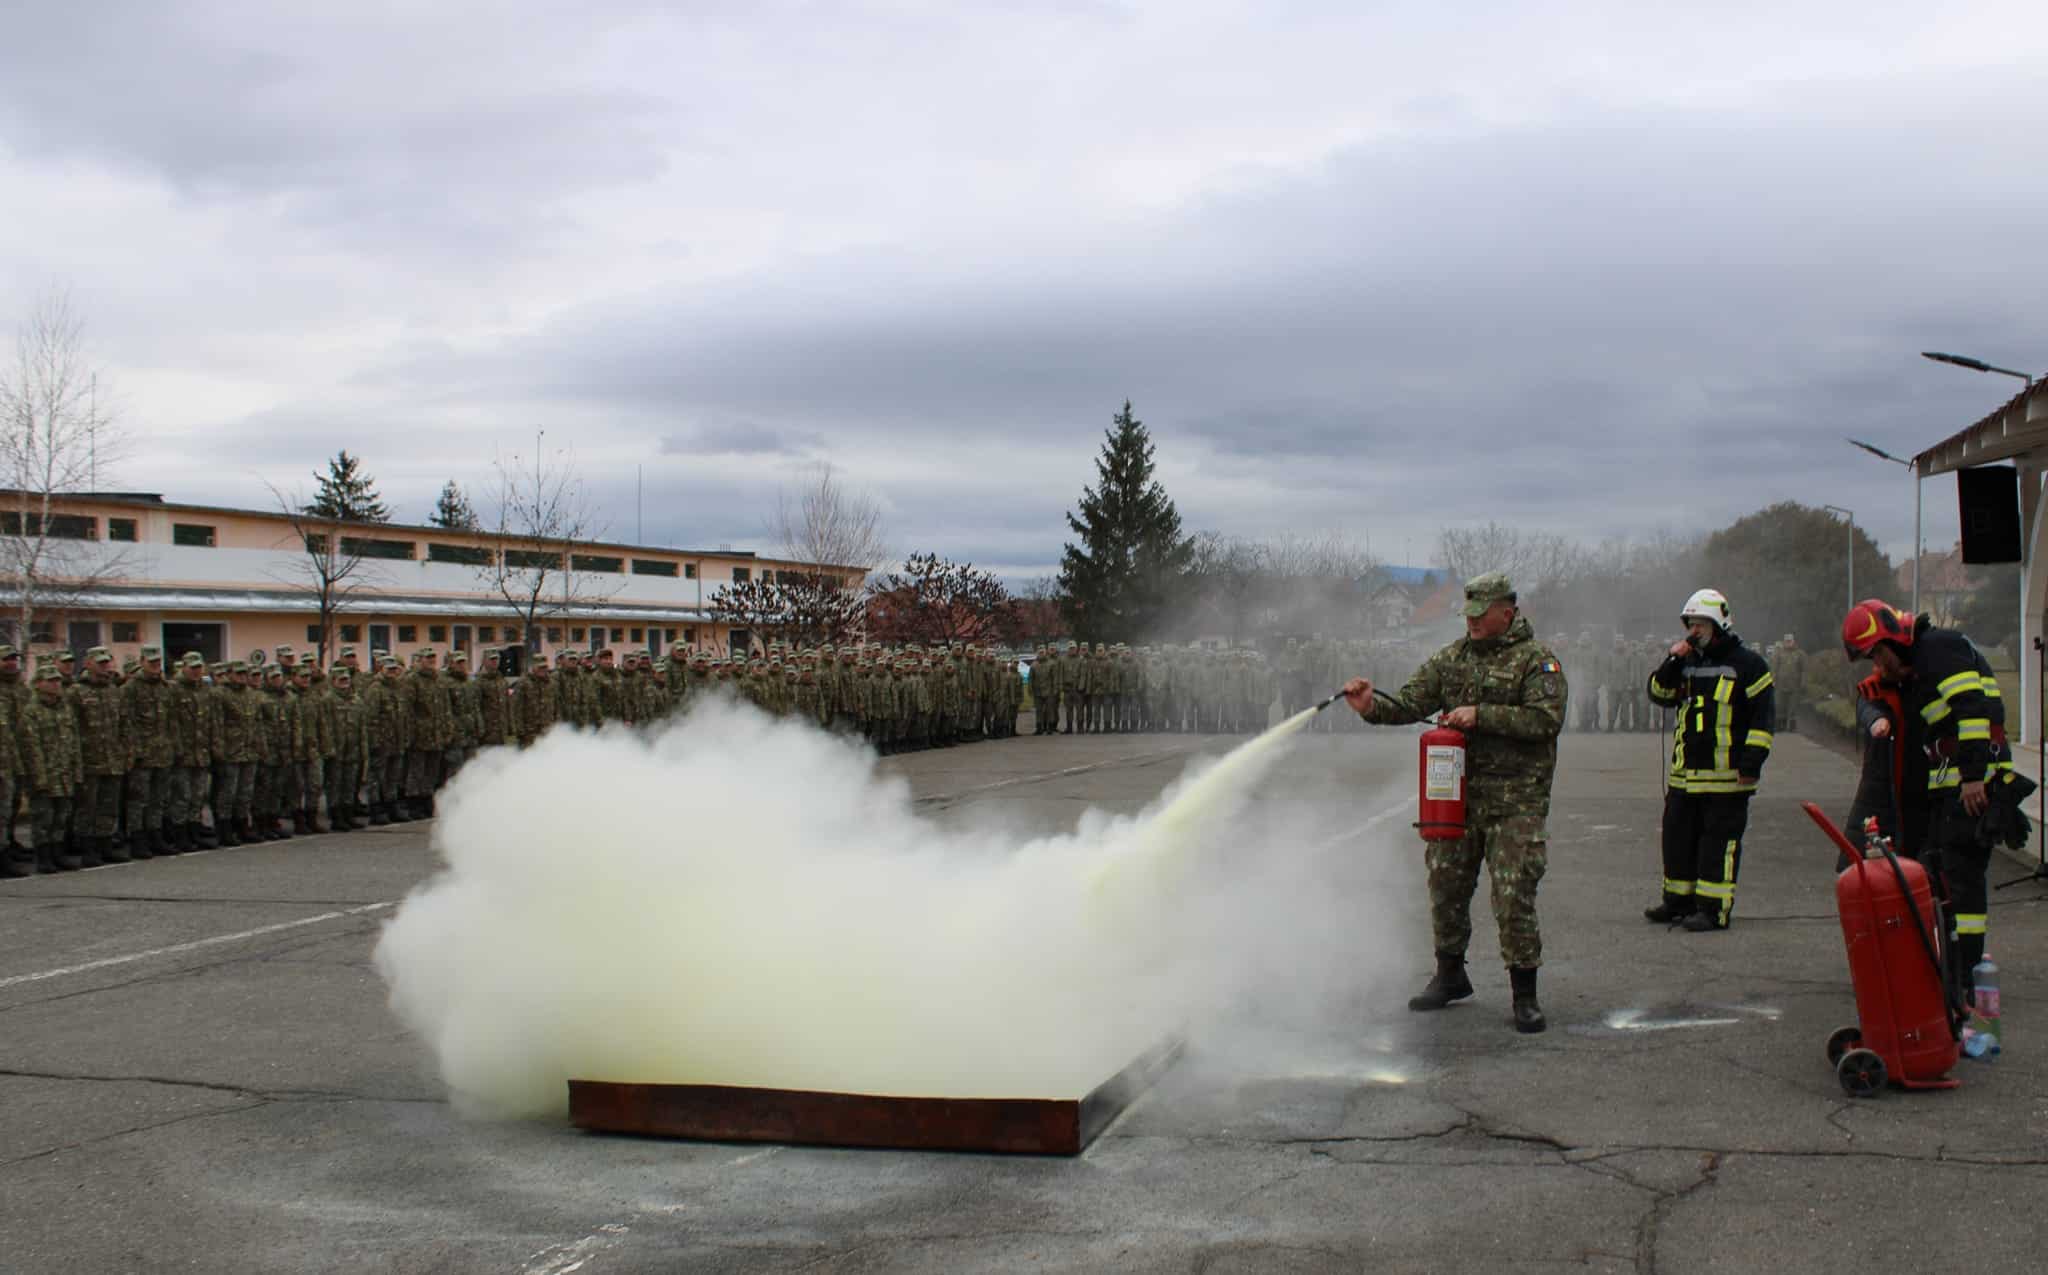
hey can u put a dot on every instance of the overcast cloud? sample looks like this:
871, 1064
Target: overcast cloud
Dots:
1601, 268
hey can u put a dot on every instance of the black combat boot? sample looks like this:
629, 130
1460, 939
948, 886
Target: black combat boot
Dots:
15, 863
380, 814
1528, 1014
1449, 984
300, 824
159, 844
203, 835
89, 852
230, 832
276, 829
1665, 914
62, 857
113, 850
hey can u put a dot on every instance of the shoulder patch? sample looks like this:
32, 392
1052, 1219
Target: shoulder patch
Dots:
1550, 666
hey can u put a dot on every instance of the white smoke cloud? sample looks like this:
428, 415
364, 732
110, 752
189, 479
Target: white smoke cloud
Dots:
743, 901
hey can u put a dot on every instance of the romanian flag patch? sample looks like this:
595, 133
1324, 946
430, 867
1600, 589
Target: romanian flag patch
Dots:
1550, 666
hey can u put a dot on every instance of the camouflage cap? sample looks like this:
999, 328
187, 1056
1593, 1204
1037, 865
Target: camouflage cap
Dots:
98, 653
284, 651
193, 657
152, 652
64, 657
47, 672
342, 673
1483, 590
130, 666
460, 657
221, 670
7, 652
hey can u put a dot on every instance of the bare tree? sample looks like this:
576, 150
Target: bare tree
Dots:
1535, 560
825, 525
794, 605
55, 434
936, 600
334, 565
543, 516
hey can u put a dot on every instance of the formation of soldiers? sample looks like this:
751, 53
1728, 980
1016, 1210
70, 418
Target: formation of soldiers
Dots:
897, 698
1079, 688
1610, 682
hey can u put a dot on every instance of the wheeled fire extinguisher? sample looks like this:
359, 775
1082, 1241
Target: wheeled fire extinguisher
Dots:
1440, 799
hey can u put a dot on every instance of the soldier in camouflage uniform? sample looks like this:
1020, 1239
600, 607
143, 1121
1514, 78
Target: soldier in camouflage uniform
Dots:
425, 704
145, 700
493, 703
534, 705
188, 724
103, 743
52, 766
343, 781
277, 737
1788, 669
235, 749
14, 860
1507, 692
464, 712
314, 747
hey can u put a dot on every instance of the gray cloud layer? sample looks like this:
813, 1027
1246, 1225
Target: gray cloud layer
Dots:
1356, 270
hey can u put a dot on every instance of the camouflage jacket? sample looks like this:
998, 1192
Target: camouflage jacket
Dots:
102, 726
51, 761
235, 726
315, 740
276, 727
351, 724
187, 723
1519, 688
10, 739
425, 705
145, 703
533, 708
462, 710
493, 709
387, 723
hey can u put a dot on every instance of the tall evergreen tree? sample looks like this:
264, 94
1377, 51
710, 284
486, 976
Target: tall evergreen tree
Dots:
1132, 555
346, 493
453, 510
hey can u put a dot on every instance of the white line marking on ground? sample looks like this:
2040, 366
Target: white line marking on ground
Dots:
560, 1259
752, 1156
178, 948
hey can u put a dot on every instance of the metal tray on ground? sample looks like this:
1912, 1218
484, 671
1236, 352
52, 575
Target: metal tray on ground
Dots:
808, 1117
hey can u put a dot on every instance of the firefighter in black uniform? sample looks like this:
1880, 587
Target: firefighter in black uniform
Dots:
1952, 715
1722, 691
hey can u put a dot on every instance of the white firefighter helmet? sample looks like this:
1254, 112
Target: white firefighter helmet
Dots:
1707, 604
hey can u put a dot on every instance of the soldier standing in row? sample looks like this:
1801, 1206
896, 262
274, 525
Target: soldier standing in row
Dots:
236, 748
52, 768
433, 729
1507, 692
533, 705
103, 740
343, 780
144, 702
189, 711
14, 861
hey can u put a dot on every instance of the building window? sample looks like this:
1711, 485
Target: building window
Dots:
408, 632
83, 635
127, 631
639, 636
618, 635
532, 560
740, 575
313, 634
689, 571
671, 635
462, 637
351, 633
121, 529
192, 534
689, 637
380, 638
467, 555
437, 633
554, 635
317, 543
355, 547
653, 567
485, 633
577, 635
57, 527
590, 562
41, 634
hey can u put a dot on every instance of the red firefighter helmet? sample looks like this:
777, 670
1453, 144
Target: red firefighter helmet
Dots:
1871, 621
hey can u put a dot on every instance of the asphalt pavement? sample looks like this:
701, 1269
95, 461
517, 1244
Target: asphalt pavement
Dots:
198, 1071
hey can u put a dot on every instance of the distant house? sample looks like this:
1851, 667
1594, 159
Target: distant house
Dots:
1944, 583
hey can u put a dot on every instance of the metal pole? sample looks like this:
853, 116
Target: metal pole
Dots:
1917, 551
1852, 564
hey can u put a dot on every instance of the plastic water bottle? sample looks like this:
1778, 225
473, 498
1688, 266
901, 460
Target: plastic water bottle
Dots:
1984, 998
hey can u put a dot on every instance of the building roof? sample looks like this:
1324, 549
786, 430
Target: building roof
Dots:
366, 606
2018, 427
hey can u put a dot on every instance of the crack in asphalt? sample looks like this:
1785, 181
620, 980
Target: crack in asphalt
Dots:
1649, 1229
211, 1086
285, 948
141, 1128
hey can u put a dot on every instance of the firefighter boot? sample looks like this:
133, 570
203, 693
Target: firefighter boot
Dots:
1665, 914
1528, 1014
1449, 984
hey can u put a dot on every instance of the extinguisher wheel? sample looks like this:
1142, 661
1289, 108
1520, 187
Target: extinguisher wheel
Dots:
1844, 1040
1861, 1072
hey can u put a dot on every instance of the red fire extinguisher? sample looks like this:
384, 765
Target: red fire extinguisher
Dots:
1441, 801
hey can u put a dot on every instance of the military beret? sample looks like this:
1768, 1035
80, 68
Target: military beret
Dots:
152, 652
1483, 590
194, 657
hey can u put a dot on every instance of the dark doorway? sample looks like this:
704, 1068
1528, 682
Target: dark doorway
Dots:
210, 640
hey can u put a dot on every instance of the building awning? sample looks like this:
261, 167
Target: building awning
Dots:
299, 602
2019, 427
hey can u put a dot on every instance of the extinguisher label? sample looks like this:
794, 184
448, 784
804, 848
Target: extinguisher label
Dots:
1445, 773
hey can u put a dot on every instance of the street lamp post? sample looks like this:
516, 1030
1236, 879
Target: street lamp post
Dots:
1975, 365
1849, 523
1882, 454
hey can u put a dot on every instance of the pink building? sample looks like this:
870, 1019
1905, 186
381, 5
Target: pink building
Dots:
128, 570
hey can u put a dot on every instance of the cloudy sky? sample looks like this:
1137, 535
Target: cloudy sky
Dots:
1371, 268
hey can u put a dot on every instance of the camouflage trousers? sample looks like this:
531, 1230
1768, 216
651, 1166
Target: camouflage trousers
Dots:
305, 783
1513, 847
423, 768
391, 784
184, 793
10, 795
234, 789
146, 789
48, 816
96, 809
342, 781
